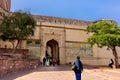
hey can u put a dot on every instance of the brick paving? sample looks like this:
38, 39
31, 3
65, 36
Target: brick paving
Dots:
64, 72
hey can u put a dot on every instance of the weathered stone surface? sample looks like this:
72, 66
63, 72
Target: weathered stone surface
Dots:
8, 53
14, 62
8, 66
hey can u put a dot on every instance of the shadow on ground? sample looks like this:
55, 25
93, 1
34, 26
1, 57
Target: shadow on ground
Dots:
42, 68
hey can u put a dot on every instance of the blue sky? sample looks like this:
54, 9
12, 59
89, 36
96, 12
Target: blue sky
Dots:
88, 10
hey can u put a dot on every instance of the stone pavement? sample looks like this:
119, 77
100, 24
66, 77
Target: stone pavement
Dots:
64, 72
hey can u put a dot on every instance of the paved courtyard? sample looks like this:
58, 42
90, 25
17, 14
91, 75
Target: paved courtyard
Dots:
64, 72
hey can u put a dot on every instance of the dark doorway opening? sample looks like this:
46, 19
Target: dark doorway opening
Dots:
53, 49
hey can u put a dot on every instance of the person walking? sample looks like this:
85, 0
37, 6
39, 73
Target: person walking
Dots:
78, 68
44, 61
111, 63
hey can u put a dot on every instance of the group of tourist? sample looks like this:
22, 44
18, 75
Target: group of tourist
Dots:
48, 61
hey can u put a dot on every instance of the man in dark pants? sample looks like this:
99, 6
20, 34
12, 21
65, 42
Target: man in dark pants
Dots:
44, 61
78, 68
111, 63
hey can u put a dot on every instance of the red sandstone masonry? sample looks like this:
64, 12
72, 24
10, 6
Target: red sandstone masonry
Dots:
19, 61
20, 53
8, 66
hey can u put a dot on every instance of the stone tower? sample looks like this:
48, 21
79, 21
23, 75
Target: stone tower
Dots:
4, 7
5, 4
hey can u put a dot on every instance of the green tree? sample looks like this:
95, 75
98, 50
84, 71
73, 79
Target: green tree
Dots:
16, 27
105, 33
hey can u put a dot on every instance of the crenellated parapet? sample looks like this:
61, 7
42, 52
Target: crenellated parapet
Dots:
58, 20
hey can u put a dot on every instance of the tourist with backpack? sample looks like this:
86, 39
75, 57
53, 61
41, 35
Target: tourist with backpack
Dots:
77, 68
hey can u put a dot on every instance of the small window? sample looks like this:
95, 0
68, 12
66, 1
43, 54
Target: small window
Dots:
37, 42
29, 42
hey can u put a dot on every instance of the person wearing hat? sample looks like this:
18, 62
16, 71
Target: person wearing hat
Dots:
78, 68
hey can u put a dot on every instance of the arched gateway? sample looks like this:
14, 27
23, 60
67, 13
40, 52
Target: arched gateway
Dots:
52, 49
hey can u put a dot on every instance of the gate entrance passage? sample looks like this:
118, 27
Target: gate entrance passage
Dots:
52, 49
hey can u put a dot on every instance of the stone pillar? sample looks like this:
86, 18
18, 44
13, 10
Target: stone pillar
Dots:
62, 55
24, 44
42, 51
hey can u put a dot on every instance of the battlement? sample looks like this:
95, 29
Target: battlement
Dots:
58, 20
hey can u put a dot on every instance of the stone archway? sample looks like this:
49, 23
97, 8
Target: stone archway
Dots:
52, 47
